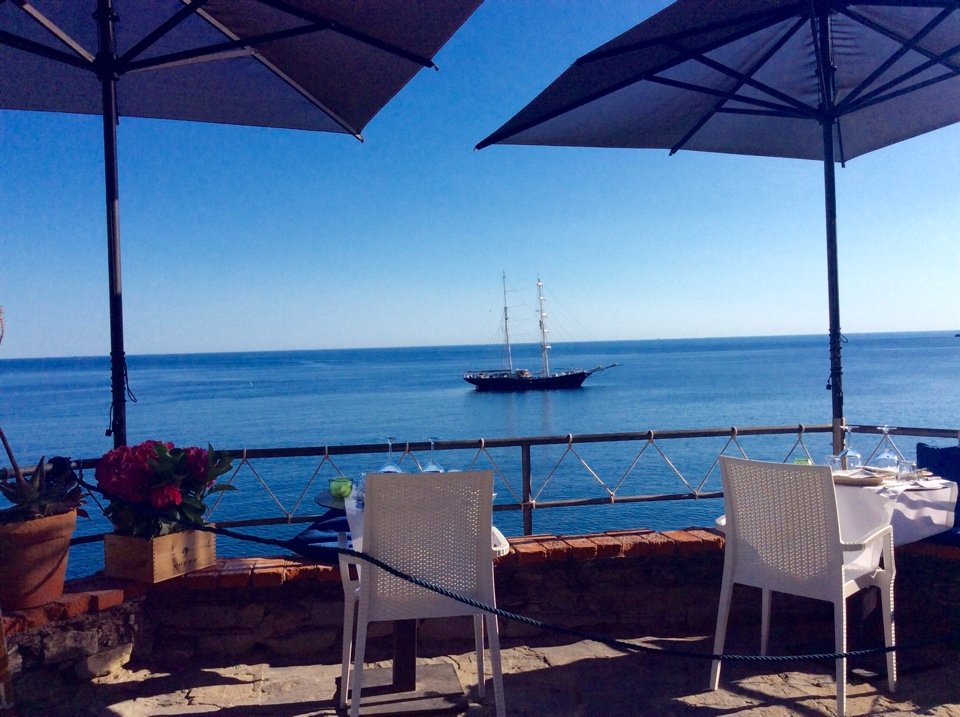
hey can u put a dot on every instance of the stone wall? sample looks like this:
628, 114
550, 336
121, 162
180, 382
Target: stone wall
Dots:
620, 585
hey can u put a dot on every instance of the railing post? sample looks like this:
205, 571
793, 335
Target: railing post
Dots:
838, 442
527, 505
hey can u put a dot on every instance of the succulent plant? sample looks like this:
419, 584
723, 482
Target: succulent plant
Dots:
52, 488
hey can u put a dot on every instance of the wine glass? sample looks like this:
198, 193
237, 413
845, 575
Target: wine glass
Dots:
887, 458
390, 466
849, 456
432, 466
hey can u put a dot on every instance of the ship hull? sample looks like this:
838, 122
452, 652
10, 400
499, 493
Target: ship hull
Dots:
507, 382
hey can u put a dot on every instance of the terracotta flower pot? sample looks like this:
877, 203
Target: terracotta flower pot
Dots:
33, 560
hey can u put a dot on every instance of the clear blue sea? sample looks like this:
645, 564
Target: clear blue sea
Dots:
327, 397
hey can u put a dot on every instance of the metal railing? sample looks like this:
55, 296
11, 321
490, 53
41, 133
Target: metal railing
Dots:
530, 473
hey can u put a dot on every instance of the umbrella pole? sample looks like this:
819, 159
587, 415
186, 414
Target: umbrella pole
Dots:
108, 84
833, 289
828, 119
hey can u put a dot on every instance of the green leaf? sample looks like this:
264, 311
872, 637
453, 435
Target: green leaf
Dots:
221, 488
192, 500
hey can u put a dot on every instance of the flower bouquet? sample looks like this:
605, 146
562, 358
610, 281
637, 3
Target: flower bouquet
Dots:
156, 489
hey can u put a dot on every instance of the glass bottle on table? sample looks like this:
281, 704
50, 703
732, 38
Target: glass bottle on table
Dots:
359, 492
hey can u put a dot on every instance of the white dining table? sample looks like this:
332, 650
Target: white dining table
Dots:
916, 510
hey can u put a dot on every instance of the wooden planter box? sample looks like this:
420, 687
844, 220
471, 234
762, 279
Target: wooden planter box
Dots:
158, 559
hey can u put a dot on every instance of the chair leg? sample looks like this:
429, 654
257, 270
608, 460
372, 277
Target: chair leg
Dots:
765, 596
889, 633
347, 651
723, 613
478, 646
359, 648
840, 645
493, 637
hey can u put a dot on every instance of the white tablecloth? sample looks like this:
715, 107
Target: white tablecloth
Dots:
914, 511
355, 520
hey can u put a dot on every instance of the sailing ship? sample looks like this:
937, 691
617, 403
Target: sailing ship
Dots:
521, 379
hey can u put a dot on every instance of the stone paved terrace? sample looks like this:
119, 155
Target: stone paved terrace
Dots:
261, 637
582, 679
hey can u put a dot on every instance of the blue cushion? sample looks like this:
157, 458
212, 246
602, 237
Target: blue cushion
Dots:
311, 536
944, 462
319, 540
321, 553
947, 537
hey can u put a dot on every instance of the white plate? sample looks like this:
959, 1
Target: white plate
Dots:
928, 484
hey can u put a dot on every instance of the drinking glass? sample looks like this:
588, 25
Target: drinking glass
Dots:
432, 466
906, 470
340, 487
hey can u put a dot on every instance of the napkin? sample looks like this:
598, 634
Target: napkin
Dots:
858, 476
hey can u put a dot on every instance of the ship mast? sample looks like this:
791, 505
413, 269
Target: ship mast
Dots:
544, 346
506, 331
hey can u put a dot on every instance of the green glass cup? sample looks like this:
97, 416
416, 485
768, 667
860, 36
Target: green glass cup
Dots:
340, 487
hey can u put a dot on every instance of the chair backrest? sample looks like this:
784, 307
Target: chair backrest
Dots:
783, 531
434, 526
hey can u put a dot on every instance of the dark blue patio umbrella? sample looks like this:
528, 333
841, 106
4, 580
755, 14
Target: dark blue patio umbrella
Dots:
322, 65
811, 79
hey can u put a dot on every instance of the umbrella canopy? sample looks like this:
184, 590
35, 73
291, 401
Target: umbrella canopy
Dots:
809, 79
324, 65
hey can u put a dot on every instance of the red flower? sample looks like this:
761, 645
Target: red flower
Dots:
165, 496
195, 460
128, 472
156, 475
124, 474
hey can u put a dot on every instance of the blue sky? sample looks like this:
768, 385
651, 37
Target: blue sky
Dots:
240, 239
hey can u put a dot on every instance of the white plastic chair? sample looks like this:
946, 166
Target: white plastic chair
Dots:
435, 526
783, 535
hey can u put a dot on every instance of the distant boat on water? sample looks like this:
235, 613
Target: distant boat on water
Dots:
510, 379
